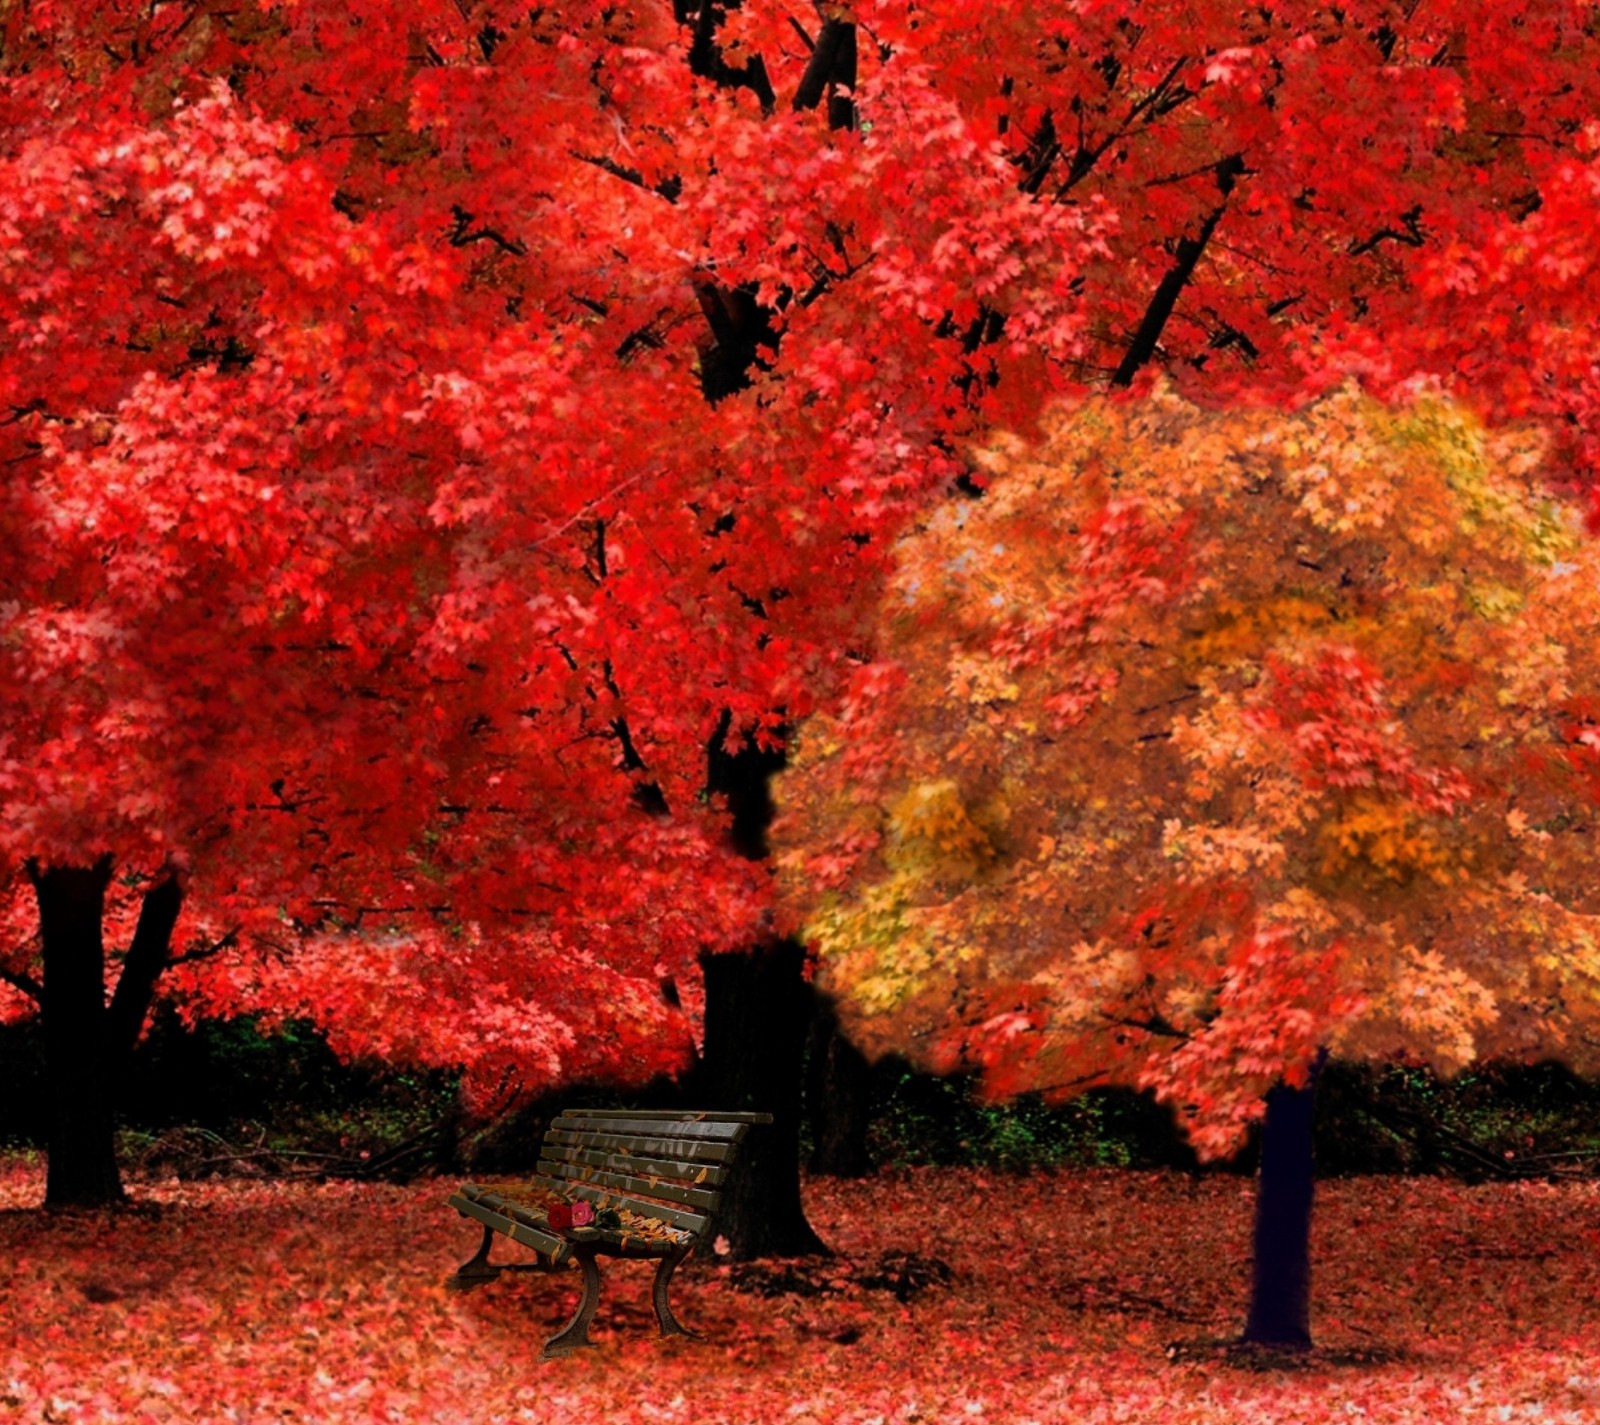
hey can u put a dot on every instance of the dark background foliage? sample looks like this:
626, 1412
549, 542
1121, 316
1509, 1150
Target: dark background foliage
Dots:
225, 1097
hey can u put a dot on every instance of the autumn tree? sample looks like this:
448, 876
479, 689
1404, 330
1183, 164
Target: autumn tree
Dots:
368, 561
1207, 744
231, 591
593, 356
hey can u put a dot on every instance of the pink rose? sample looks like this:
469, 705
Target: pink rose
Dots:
582, 1213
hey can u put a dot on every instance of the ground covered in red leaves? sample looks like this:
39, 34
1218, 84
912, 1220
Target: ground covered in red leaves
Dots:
1072, 1296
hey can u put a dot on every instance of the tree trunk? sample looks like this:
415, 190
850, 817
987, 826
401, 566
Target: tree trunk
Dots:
82, 1170
838, 1100
1280, 1298
758, 1011
86, 1041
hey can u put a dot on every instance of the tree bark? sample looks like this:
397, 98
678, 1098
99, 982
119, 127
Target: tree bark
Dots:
1280, 1296
832, 66
86, 1041
149, 953
81, 1143
838, 1100
758, 1011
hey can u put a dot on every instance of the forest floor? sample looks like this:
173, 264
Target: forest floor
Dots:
1073, 1296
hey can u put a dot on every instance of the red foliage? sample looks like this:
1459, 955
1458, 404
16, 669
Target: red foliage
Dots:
1333, 714
1092, 1301
426, 425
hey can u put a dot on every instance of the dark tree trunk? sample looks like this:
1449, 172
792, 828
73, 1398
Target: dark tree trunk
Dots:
1280, 1297
838, 1100
149, 953
707, 60
82, 1169
86, 1041
758, 1011
832, 66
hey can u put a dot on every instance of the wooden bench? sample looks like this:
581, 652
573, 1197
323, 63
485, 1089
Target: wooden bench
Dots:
654, 1179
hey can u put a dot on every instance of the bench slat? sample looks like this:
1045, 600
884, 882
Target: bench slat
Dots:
716, 1131
683, 1149
479, 1192
676, 1170
570, 1188
510, 1207
547, 1244
607, 1197
628, 1244
630, 1182
694, 1222
616, 1244
686, 1115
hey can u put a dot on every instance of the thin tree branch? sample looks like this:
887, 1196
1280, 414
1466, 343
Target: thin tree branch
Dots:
1190, 251
1157, 1025
584, 509
205, 952
1158, 103
24, 982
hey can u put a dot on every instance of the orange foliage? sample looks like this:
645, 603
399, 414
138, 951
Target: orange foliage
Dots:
1212, 740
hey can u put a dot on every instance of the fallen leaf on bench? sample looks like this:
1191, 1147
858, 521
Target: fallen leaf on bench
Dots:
649, 1229
529, 1195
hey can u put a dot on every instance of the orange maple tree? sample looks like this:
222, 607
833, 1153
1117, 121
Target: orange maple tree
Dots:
1207, 743
1206, 740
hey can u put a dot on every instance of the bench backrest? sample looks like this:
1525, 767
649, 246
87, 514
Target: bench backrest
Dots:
665, 1164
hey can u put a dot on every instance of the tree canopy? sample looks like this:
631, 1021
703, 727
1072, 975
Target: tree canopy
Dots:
431, 427
1206, 740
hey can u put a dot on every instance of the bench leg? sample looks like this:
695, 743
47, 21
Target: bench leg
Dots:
575, 1334
477, 1271
670, 1325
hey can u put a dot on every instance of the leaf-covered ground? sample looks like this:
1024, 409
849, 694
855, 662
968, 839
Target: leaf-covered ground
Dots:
1081, 1297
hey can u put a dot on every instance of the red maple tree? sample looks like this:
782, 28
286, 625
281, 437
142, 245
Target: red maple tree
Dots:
430, 426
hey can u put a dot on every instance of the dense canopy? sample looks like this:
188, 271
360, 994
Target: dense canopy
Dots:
430, 427
1207, 740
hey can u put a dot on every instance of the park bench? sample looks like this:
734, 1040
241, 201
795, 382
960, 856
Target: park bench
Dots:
653, 1179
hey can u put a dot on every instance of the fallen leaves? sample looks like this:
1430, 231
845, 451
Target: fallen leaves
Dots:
1102, 1297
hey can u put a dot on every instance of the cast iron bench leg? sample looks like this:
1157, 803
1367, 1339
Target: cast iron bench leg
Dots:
670, 1325
477, 1271
575, 1334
